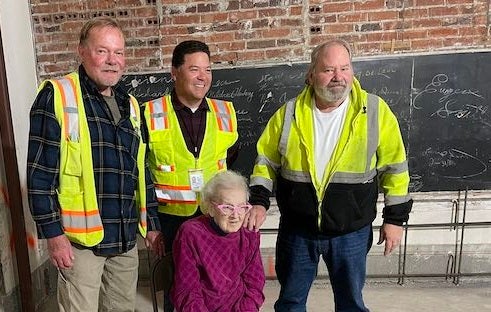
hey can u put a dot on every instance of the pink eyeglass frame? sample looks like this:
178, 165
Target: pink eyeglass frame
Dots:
227, 211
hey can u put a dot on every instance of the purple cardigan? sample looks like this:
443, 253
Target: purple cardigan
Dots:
216, 271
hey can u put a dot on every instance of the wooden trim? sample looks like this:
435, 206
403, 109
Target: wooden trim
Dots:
14, 190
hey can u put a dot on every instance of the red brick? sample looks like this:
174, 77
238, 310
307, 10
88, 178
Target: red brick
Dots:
227, 57
396, 25
427, 23
260, 44
339, 28
173, 30
442, 32
291, 22
425, 44
337, 7
414, 13
443, 11
214, 17
245, 15
45, 58
250, 55
414, 34
450, 2
275, 33
146, 52
381, 36
428, 2
296, 10
244, 35
472, 31
186, 19
352, 17
383, 15
44, 8
272, 12
369, 5
220, 37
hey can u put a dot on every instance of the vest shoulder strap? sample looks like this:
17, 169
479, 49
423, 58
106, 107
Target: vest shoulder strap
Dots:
223, 112
70, 101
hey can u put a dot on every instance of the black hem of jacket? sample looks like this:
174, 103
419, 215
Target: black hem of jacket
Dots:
344, 209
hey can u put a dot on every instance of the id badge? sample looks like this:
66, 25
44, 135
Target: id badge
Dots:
196, 179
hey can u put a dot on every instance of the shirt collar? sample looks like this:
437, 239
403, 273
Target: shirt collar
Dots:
179, 106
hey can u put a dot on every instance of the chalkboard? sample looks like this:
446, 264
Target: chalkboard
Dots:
441, 102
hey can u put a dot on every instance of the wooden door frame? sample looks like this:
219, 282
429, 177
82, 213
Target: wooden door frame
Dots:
14, 193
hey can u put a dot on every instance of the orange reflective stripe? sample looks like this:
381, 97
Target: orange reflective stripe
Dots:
165, 111
83, 230
79, 213
174, 187
217, 112
158, 114
227, 107
176, 201
63, 100
152, 122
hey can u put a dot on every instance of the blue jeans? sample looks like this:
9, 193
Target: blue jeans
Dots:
297, 259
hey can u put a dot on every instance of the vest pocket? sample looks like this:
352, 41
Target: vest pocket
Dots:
71, 200
73, 165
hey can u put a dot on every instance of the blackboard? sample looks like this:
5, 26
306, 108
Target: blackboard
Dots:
441, 102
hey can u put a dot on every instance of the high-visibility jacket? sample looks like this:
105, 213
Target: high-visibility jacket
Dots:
77, 193
370, 150
170, 160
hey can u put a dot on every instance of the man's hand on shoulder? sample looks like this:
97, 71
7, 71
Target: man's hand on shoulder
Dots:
60, 252
255, 218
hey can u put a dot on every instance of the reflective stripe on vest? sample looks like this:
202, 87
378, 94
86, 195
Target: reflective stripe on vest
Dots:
175, 194
224, 116
338, 177
69, 97
159, 119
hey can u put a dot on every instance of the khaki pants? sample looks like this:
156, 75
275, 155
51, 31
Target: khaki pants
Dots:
99, 283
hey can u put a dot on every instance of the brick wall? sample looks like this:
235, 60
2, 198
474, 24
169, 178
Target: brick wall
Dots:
252, 32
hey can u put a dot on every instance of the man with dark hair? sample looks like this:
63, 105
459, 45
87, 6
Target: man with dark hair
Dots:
191, 137
89, 190
329, 150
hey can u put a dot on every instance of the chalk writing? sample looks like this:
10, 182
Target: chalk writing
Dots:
453, 158
232, 94
437, 86
221, 83
452, 108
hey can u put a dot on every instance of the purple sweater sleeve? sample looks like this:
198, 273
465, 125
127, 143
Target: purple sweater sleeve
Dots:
254, 279
186, 294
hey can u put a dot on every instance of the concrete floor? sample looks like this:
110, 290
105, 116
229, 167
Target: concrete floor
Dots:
382, 296
387, 297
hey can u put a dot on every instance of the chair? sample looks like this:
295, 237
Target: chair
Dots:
161, 276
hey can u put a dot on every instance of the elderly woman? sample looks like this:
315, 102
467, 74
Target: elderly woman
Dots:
217, 261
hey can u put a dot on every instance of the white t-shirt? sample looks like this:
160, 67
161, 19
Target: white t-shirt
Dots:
327, 129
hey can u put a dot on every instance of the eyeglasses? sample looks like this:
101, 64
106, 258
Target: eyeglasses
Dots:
228, 210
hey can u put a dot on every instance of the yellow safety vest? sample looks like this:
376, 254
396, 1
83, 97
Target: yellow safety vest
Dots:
170, 160
76, 193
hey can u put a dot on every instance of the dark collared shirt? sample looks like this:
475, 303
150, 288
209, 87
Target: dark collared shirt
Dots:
114, 154
193, 126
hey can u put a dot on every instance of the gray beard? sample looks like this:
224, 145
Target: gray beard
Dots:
330, 96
